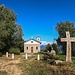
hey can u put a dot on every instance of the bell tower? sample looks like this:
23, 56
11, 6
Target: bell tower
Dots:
38, 38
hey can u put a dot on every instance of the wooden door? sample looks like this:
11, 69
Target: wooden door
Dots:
31, 49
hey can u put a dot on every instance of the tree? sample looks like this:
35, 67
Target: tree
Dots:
55, 47
62, 27
7, 28
17, 38
48, 47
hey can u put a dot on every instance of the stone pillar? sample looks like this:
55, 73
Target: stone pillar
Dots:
38, 57
26, 56
12, 55
6, 54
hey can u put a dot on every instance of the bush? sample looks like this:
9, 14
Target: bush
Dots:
0, 54
48, 56
14, 50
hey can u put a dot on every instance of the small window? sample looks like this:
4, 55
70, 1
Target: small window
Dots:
31, 41
27, 48
36, 48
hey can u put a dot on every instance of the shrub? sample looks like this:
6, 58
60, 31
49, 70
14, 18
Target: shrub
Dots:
14, 50
48, 56
0, 54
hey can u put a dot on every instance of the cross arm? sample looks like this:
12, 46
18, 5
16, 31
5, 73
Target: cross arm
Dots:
72, 39
63, 39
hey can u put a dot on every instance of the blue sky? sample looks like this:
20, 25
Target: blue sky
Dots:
39, 17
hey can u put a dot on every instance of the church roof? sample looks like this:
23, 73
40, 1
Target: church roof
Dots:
34, 40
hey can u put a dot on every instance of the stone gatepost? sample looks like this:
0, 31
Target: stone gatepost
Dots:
12, 55
38, 57
26, 56
6, 54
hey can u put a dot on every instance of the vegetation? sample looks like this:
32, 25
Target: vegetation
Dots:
55, 47
29, 67
48, 48
14, 50
52, 46
3, 73
20, 65
62, 27
0, 54
10, 32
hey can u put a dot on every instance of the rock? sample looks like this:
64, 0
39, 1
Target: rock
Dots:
53, 52
58, 61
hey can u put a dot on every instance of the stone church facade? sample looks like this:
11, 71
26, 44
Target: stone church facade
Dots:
32, 46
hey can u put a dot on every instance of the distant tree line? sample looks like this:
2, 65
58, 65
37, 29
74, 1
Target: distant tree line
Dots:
53, 46
10, 32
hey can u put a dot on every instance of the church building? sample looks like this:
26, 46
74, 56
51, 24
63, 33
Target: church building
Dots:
32, 45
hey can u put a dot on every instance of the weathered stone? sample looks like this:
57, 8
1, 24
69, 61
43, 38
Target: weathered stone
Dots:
12, 55
58, 61
26, 56
38, 57
6, 54
68, 39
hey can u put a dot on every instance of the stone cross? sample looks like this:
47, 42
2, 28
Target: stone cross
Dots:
38, 57
12, 55
26, 56
6, 54
68, 39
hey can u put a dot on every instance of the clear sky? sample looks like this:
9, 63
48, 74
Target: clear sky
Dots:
39, 17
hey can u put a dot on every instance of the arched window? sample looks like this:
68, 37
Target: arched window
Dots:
27, 48
36, 48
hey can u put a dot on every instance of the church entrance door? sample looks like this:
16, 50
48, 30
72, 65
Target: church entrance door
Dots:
31, 49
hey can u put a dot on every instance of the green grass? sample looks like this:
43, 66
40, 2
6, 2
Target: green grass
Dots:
42, 67
61, 57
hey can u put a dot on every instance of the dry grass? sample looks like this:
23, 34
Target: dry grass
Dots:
21, 66
9, 66
35, 67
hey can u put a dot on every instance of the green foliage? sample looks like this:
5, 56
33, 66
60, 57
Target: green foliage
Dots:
62, 27
10, 32
55, 47
49, 57
0, 54
17, 38
14, 50
48, 48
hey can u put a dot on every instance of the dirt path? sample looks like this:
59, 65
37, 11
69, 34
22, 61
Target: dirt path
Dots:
10, 66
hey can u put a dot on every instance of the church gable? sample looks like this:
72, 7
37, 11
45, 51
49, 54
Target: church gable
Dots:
32, 42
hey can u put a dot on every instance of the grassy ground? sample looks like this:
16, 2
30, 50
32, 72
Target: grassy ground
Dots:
34, 67
3, 73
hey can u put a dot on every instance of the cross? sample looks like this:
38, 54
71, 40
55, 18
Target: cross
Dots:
68, 39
